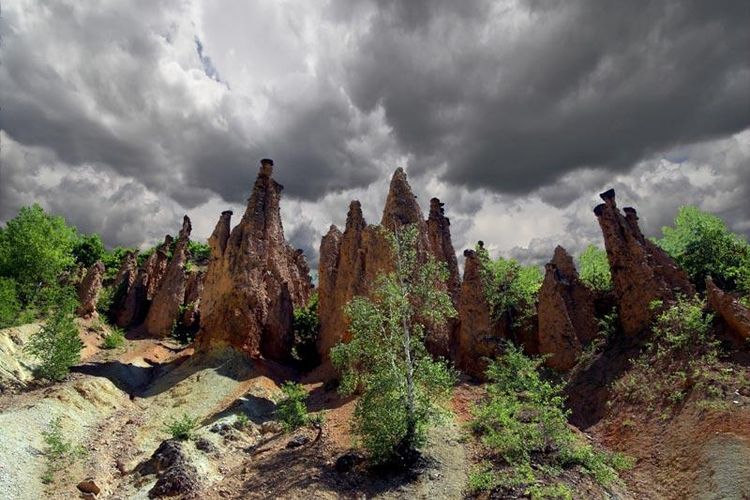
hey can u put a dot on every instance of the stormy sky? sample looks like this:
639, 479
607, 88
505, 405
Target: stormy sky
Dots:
123, 115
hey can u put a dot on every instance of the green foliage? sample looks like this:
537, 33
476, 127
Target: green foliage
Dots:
88, 249
181, 428
10, 307
57, 345
35, 248
524, 424
58, 452
702, 244
105, 301
114, 339
402, 387
242, 421
292, 410
557, 491
510, 288
682, 356
594, 268
113, 259
182, 332
306, 326
199, 252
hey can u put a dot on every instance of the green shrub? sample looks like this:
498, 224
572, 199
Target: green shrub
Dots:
702, 244
199, 252
114, 339
88, 249
306, 326
182, 428
543, 491
57, 345
594, 268
510, 288
681, 356
10, 307
242, 421
58, 452
403, 389
35, 248
292, 410
524, 425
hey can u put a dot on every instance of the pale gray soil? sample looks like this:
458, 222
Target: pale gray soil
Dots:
726, 471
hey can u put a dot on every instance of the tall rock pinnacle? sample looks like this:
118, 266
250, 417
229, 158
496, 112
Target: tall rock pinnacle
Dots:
169, 297
641, 272
254, 278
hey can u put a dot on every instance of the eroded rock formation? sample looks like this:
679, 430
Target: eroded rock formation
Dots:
479, 336
147, 282
641, 272
170, 295
124, 280
254, 278
89, 289
193, 291
731, 310
351, 261
567, 315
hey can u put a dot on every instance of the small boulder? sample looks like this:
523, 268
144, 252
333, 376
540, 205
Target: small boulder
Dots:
88, 485
298, 441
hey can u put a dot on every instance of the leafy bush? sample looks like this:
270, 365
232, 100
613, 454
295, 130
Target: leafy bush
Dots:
199, 252
112, 260
510, 288
682, 356
88, 249
10, 307
58, 452
702, 244
594, 268
57, 345
292, 410
524, 424
402, 387
35, 248
182, 428
114, 339
306, 326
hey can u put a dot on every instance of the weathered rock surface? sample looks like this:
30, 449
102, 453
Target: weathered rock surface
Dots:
641, 272
147, 282
351, 261
731, 310
89, 289
566, 311
192, 301
479, 336
169, 297
254, 278
124, 280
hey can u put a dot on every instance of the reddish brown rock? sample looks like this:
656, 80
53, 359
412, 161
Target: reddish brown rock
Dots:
566, 312
640, 273
254, 279
125, 279
147, 282
731, 310
165, 307
89, 289
479, 336
351, 261
192, 301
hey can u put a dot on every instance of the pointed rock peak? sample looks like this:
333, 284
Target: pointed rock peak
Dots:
187, 227
401, 206
333, 230
563, 261
354, 218
436, 209
164, 247
218, 239
608, 196
266, 167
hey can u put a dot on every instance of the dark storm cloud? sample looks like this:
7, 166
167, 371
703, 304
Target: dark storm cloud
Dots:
513, 98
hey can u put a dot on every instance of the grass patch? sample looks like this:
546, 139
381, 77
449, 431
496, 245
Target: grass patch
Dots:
114, 339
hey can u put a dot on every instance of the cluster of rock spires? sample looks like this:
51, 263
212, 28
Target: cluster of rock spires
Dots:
255, 280
350, 261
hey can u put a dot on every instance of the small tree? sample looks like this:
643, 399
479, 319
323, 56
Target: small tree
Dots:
402, 386
292, 410
9, 305
594, 268
57, 345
